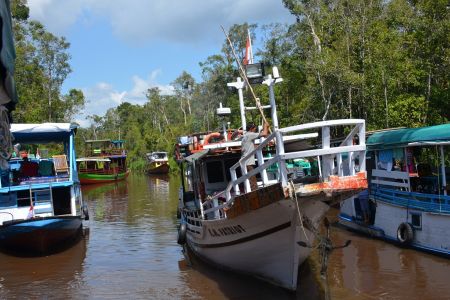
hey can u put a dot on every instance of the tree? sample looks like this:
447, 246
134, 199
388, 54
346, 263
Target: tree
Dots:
73, 103
184, 86
51, 52
96, 124
42, 65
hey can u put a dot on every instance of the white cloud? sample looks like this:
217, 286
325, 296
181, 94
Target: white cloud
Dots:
103, 96
141, 21
57, 15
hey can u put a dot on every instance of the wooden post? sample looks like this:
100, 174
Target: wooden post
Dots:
244, 173
233, 179
327, 161
263, 173
444, 177
281, 163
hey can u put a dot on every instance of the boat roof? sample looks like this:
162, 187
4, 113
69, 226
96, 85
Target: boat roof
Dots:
430, 135
98, 141
193, 157
42, 133
105, 141
93, 159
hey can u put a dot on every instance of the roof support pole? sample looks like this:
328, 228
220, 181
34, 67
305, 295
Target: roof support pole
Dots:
444, 179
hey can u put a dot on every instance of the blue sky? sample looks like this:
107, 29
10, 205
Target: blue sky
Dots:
120, 48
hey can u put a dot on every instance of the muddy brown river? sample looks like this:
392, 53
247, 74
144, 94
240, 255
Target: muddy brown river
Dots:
129, 251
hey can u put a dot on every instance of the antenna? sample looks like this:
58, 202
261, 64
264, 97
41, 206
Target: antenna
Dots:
241, 69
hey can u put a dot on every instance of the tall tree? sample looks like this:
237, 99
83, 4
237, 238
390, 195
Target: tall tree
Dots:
42, 65
53, 58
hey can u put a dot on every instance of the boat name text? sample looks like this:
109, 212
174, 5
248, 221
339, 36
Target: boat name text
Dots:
228, 230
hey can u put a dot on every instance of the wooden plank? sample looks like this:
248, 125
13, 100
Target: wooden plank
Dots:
390, 174
320, 152
390, 183
321, 124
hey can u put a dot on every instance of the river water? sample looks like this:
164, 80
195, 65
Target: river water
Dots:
129, 251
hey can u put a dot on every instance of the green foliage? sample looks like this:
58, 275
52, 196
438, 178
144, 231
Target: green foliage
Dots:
42, 65
384, 61
369, 59
20, 10
379, 60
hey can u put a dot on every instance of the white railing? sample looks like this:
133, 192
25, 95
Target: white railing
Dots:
329, 156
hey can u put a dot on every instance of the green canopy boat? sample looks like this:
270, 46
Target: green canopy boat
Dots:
105, 162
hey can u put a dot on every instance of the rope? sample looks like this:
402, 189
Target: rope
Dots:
300, 217
242, 71
5, 138
324, 244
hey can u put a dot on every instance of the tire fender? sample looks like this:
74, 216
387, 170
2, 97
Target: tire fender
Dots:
85, 212
182, 234
405, 233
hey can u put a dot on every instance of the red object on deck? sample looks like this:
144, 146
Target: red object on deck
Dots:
29, 169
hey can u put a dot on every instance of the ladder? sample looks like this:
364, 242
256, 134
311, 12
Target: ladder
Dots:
42, 201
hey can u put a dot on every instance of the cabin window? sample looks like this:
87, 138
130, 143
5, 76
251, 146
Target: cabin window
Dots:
228, 164
416, 220
214, 170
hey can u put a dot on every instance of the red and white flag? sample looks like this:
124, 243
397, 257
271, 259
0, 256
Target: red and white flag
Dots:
248, 57
30, 212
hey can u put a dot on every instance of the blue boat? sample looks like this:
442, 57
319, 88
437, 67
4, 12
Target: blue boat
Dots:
41, 206
408, 199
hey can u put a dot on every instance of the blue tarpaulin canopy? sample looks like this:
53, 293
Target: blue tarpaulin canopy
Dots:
42, 133
403, 137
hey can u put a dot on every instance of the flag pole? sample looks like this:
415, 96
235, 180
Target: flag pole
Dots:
250, 43
242, 71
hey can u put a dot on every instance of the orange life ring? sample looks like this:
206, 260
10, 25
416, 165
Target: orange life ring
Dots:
209, 136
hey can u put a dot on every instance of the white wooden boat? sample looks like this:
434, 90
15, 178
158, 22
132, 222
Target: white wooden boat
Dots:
263, 232
407, 201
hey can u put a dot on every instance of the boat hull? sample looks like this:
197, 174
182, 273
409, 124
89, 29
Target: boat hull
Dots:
160, 169
90, 178
431, 237
262, 243
41, 235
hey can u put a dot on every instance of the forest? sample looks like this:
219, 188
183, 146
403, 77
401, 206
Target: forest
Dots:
386, 61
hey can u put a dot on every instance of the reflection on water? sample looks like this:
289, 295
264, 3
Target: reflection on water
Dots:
131, 253
211, 283
31, 277
371, 268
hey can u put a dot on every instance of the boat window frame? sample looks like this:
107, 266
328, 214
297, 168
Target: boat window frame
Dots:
419, 215
207, 173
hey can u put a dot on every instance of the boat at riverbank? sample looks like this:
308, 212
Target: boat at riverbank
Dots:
105, 161
408, 198
157, 163
268, 231
41, 206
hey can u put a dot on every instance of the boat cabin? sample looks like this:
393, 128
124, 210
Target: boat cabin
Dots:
407, 167
105, 147
36, 177
103, 157
157, 156
213, 163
